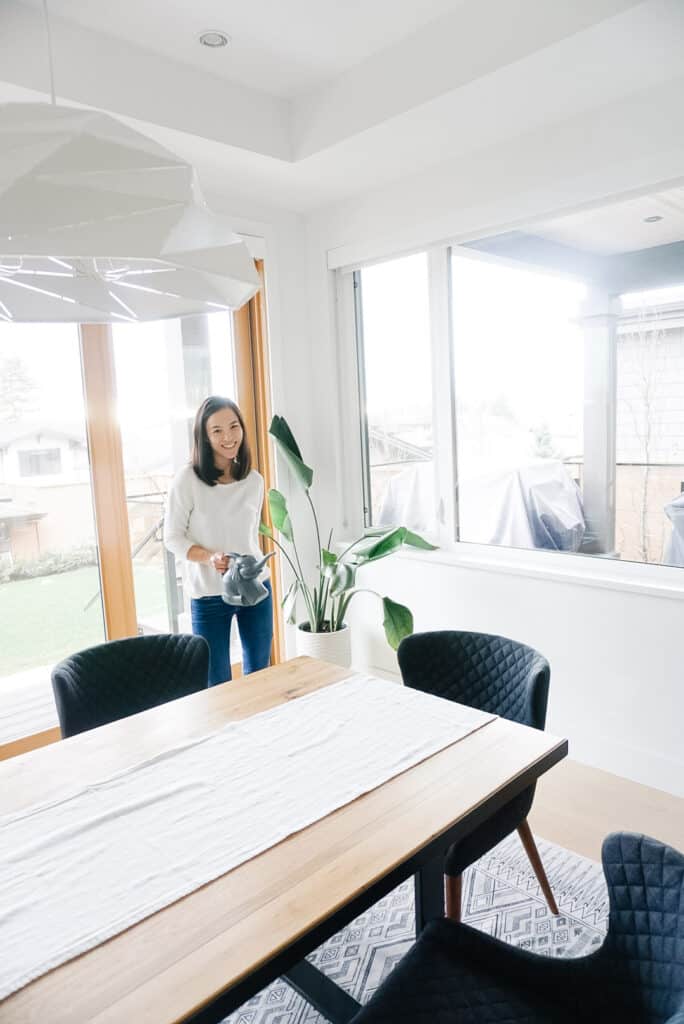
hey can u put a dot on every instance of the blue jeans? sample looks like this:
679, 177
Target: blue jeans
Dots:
212, 618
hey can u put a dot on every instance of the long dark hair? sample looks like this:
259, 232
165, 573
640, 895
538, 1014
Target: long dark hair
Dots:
202, 452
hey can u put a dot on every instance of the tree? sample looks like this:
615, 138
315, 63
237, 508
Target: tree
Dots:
17, 388
543, 446
644, 363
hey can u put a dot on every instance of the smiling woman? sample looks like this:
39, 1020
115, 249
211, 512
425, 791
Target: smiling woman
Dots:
214, 511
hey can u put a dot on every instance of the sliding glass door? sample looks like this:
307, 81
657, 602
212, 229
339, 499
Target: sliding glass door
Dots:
94, 423
163, 372
49, 579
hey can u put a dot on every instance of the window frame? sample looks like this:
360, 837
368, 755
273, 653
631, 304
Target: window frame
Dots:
654, 579
444, 461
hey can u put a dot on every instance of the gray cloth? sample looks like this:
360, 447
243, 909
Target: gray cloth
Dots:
674, 554
537, 505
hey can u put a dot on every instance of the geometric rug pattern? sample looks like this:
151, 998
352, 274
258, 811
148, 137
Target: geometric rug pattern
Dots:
501, 896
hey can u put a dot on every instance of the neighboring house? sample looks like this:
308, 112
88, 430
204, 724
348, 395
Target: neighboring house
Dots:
44, 489
650, 428
39, 452
19, 531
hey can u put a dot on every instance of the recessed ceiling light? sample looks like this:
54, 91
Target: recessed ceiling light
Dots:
653, 219
213, 38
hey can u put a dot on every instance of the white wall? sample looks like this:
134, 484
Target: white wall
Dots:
615, 651
278, 236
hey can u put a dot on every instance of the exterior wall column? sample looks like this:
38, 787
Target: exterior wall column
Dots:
599, 322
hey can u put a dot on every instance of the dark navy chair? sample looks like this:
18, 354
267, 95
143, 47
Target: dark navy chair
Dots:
457, 975
502, 677
122, 677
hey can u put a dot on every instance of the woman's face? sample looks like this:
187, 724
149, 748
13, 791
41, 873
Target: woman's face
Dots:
225, 436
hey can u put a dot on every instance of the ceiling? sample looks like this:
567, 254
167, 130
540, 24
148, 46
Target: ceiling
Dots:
282, 48
621, 227
316, 101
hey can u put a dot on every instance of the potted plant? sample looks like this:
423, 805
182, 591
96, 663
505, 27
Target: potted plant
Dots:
323, 632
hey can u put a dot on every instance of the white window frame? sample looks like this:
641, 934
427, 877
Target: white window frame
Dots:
587, 570
356, 495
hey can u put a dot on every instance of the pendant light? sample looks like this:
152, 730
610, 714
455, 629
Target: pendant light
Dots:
101, 224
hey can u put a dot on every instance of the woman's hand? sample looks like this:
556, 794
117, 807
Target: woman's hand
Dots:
220, 561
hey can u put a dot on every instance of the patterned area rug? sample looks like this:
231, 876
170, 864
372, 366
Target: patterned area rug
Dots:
501, 897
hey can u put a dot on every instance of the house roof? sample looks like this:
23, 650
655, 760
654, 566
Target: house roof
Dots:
17, 430
10, 511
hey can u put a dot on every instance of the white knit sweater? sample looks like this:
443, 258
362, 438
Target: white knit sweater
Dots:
221, 518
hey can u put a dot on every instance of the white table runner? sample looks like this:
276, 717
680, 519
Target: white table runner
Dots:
77, 870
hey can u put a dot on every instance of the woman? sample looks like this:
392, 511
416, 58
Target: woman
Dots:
214, 506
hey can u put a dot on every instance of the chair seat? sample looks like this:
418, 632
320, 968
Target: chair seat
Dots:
457, 975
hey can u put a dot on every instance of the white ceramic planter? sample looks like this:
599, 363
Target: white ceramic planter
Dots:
335, 647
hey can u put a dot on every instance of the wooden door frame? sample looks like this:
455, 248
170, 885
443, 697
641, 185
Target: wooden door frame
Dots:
108, 482
253, 379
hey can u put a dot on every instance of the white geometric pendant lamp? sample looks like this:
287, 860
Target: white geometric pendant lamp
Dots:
100, 224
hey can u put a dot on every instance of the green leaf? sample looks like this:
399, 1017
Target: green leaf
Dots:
357, 552
265, 530
414, 540
290, 600
279, 514
386, 545
379, 542
342, 578
398, 622
328, 557
284, 437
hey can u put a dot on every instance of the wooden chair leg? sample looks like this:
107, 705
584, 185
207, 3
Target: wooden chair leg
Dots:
452, 884
535, 860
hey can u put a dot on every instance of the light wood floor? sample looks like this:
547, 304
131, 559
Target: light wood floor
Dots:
577, 806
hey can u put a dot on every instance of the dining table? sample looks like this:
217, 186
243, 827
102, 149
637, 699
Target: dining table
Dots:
204, 955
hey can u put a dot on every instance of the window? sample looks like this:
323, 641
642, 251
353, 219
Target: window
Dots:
519, 385
650, 426
396, 385
49, 580
41, 462
68, 448
533, 381
190, 358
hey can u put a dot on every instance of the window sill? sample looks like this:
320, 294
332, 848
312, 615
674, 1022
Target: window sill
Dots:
666, 581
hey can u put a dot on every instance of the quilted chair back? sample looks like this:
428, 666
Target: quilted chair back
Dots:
123, 677
643, 955
488, 672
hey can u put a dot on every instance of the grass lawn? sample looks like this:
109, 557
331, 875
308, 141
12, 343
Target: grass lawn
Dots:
44, 619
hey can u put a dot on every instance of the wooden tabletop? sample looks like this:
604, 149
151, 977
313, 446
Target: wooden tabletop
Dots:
174, 962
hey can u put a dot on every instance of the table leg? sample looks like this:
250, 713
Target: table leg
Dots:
323, 994
429, 889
